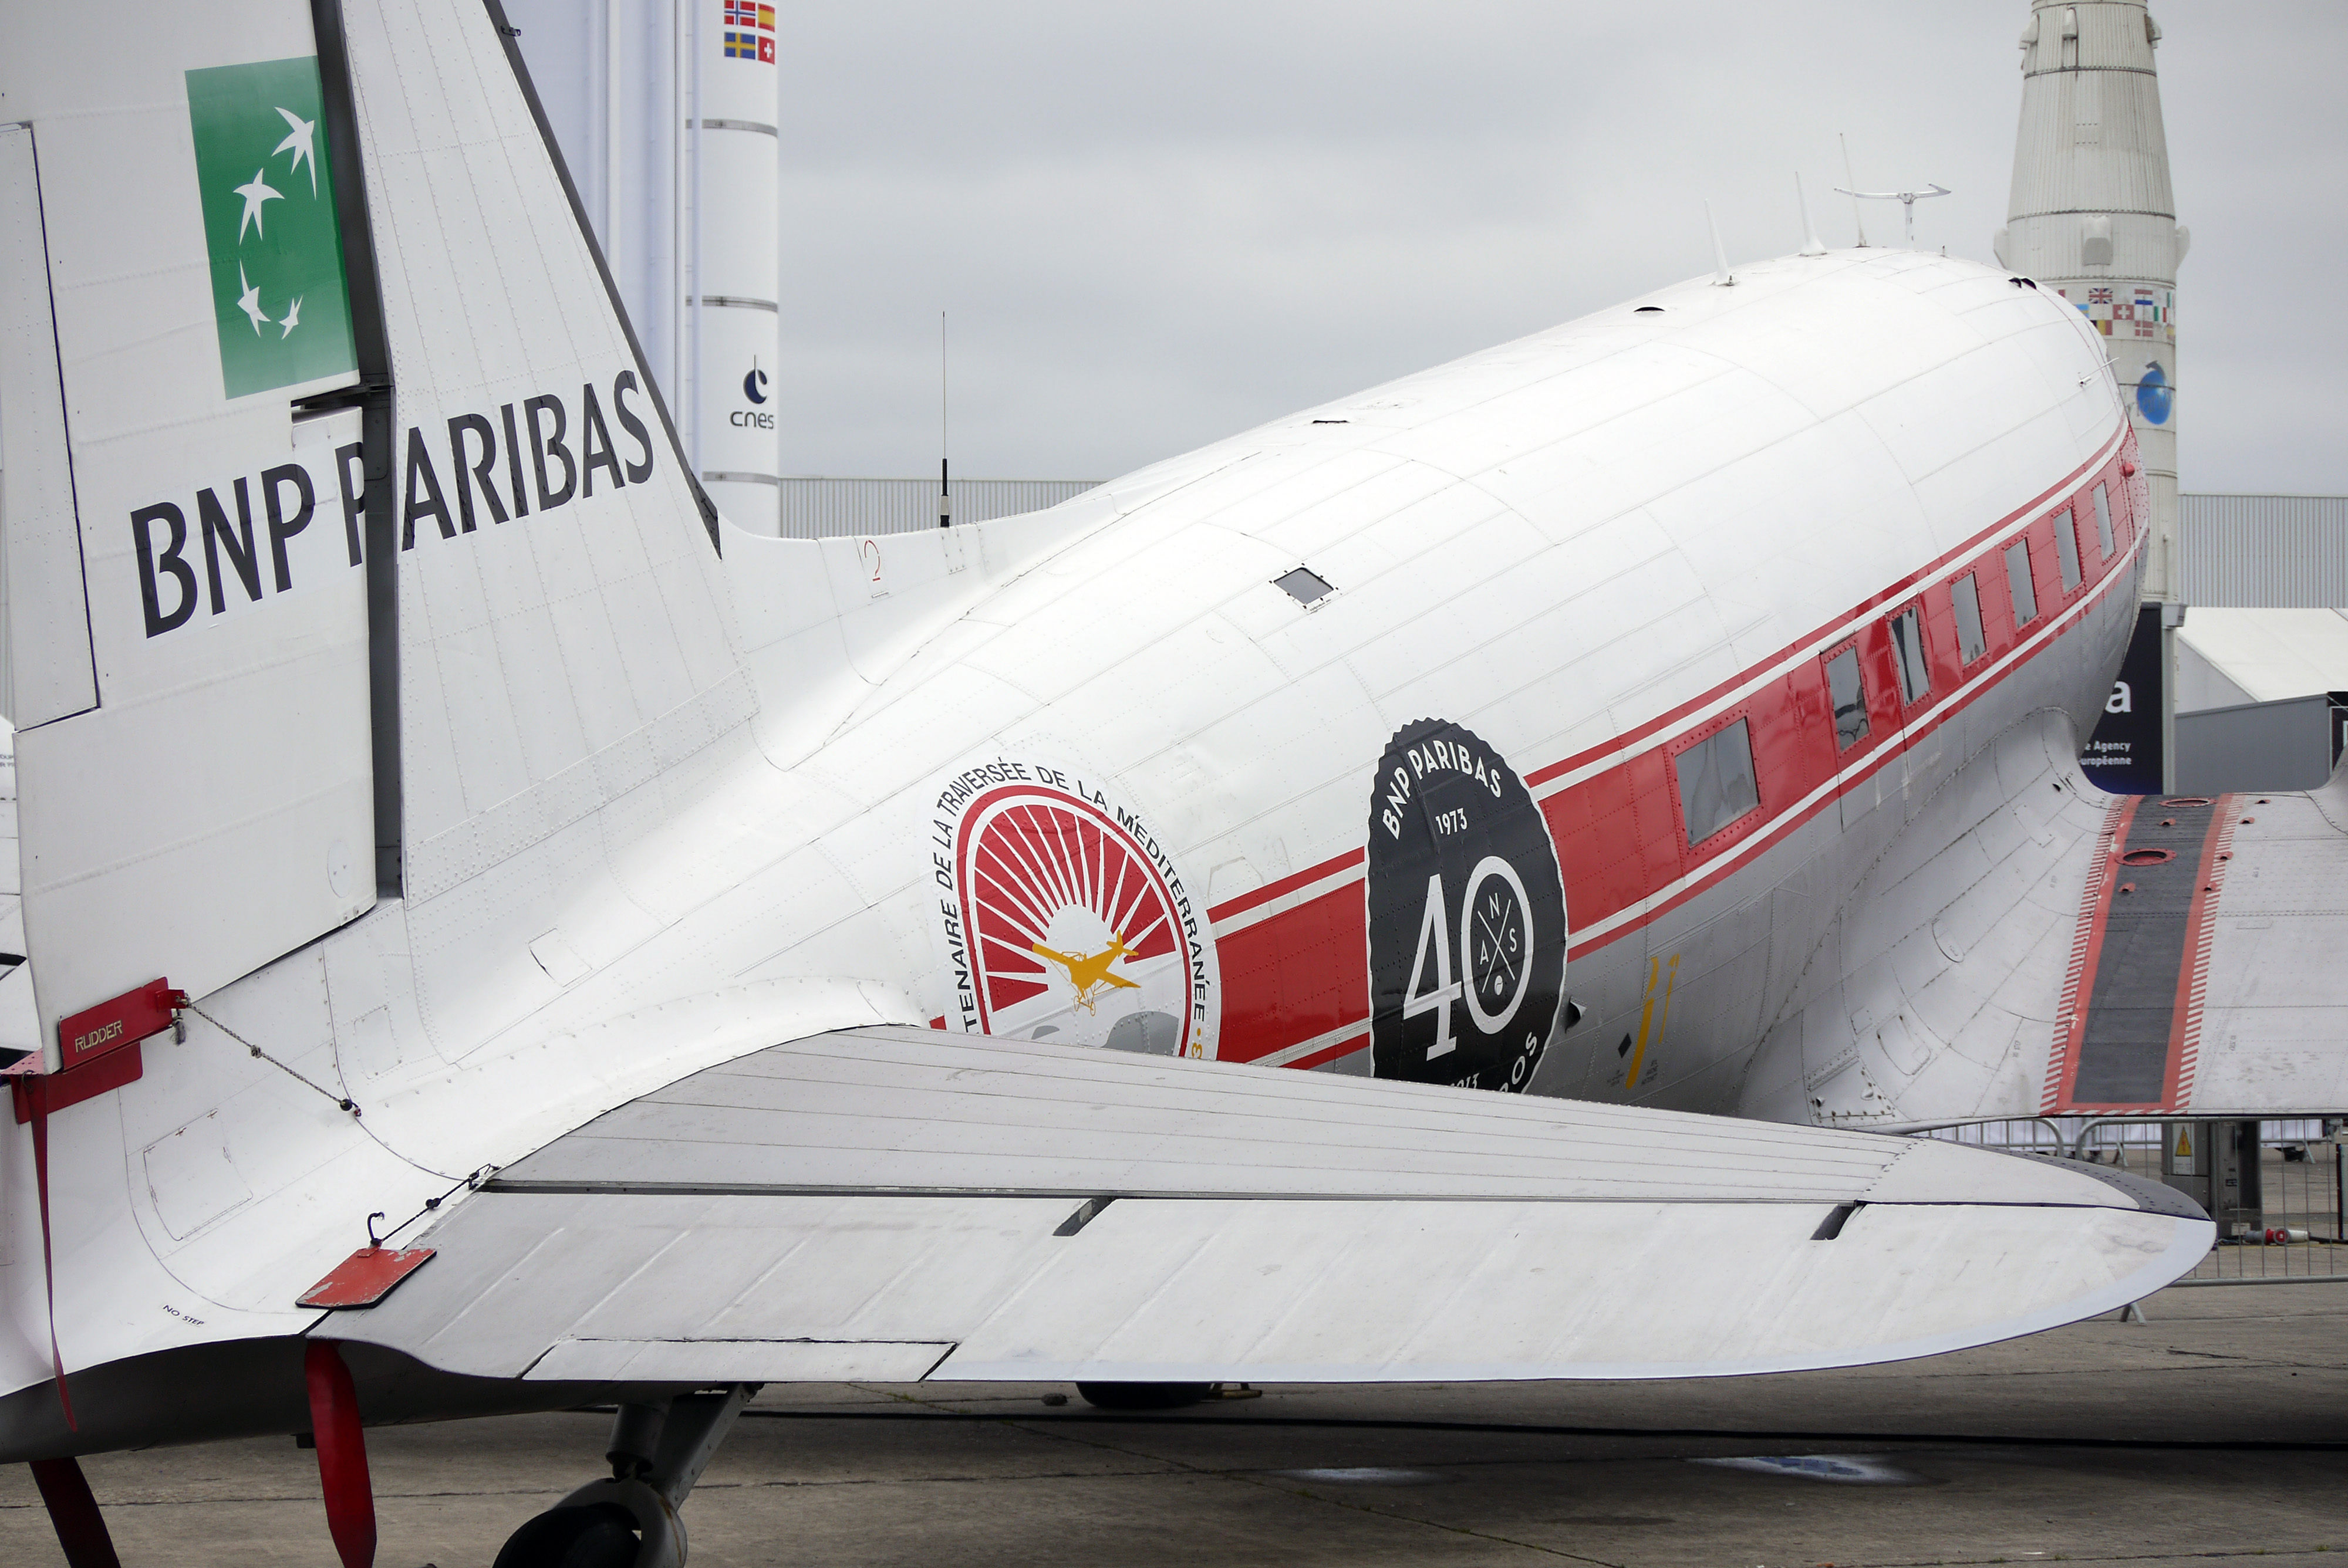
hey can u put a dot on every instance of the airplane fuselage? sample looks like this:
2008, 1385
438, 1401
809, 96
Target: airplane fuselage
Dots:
1562, 595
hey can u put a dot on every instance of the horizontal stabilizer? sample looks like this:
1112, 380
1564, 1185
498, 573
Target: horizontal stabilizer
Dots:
896, 1204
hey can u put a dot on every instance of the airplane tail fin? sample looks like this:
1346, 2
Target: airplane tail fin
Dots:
348, 550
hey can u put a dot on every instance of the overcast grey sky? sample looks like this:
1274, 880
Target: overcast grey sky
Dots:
1156, 226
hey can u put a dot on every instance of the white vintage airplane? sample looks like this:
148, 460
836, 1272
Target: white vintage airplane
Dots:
689, 955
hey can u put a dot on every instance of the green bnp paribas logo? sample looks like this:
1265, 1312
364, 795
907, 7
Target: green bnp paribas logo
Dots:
278, 294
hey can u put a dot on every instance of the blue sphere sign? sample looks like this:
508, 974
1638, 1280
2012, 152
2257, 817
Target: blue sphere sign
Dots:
2154, 396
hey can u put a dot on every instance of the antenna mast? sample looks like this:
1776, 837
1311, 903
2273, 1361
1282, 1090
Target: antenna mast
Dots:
1906, 199
945, 475
1855, 221
1811, 244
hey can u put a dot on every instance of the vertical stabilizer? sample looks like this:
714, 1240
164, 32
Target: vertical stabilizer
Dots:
187, 633
565, 640
313, 327
564, 632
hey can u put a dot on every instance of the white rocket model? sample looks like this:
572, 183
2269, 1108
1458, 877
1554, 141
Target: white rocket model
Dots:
734, 202
666, 112
2092, 216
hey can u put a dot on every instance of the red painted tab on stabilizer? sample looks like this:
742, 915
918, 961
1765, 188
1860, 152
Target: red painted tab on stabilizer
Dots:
111, 1025
366, 1278
108, 1072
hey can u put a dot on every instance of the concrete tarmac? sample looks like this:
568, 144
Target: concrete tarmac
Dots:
890, 1476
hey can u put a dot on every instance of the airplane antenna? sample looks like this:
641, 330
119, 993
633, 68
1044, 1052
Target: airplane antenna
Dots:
945, 488
1721, 277
1811, 244
1906, 199
1855, 221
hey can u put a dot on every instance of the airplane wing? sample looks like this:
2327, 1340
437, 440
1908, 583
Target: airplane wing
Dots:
2034, 946
903, 1205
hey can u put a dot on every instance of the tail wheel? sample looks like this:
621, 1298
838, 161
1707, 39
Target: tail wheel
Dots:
1139, 1397
603, 1535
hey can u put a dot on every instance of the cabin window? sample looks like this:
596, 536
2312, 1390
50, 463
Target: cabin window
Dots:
1964, 596
1716, 782
1848, 692
2017, 580
2067, 547
1907, 645
2104, 521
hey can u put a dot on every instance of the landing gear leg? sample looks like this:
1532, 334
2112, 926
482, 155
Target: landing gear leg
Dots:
657, 1453
81, 1529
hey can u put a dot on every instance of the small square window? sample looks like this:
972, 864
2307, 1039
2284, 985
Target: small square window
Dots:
1907, 645
2067, 547
1848, 692
1716, 782
1965, 597
1306, 586
2104, 520
2017, 582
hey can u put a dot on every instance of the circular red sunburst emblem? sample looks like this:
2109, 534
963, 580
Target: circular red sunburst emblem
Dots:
1064, 917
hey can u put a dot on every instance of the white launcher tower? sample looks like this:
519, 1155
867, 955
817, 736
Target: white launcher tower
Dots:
2092, 216
666, 112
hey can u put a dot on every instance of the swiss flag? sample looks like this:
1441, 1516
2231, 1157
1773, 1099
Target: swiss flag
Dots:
767, 50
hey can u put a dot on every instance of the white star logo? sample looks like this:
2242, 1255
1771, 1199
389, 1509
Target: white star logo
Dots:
293, 320
254, 195
249, 302
300, 142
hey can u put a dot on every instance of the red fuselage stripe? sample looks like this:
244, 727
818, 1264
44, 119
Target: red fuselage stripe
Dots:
2086, 953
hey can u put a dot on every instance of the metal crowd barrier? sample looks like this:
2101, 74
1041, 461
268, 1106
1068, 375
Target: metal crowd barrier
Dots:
2292, 1235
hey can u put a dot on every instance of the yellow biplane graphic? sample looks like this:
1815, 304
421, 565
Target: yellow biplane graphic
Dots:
1090, 975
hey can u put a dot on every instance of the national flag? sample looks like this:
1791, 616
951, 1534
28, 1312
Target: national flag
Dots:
766, 17
741, 13
767, 50
741, 46
2099, 296
266, 186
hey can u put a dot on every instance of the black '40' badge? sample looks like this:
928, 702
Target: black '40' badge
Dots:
1466, 915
